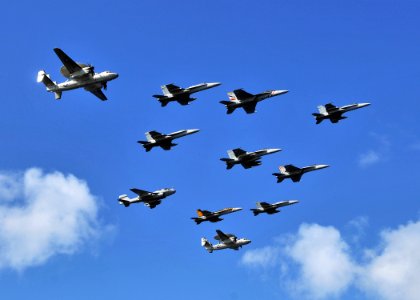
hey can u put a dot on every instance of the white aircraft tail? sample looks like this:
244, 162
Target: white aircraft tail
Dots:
124, 200
231, 154
206, 244
232, 97
165, 90
322, 110
149, 137
46, 80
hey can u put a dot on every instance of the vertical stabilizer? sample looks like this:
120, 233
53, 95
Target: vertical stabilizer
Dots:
232, 97
322, 110
231, 154
206, 244
165, 90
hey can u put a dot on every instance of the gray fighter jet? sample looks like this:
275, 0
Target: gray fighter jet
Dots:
246, 159
295, 173
164, 141
79, 76
150, 199
172, 92
226, 241
240, 98
264, 207
334, 113
205, 215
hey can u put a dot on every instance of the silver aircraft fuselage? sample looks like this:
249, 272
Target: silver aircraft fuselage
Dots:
96, 80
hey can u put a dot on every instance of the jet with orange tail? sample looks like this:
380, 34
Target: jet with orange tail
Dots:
205, 215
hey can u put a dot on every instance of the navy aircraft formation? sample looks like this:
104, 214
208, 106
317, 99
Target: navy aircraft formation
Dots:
80, 75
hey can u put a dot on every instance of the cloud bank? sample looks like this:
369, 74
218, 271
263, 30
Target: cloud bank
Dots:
325, 266
42, 215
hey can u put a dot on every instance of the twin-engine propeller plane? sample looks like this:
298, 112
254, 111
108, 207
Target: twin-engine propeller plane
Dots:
171, 93
295, 173
264, 207
241, 98
334, 113
79, 76
150, 199
246, 159
226, 241
205, 215
155, 139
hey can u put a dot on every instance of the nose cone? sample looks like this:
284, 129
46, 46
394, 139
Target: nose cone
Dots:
171, 191
274, 150
213, 84
246, 241
191, 131
236, 209
318, 167
363, 104
278, 92
293, 201
113, 75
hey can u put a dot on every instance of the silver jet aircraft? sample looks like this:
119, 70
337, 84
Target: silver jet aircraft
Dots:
246, 159
150, 199
295, 173
226, 241
334, 113
172, 92
164, 141
240, 98
79, 76
264, 207
205, 215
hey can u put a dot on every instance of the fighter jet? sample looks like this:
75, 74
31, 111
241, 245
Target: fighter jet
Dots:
264, 207
226, 241
295, 173
246, 159
172, 92
150, 199
79, 76
334, 113
205, 215
240, 98
164, 141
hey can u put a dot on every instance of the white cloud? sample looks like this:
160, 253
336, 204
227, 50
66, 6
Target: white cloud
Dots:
322, 265
394, 271
42, 215
322, 256
263, 257
369, 158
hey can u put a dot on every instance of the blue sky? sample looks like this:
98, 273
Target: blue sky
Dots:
323, 51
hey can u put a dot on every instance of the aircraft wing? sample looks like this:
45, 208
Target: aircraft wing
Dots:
154, 203
183, 99
139, 192
330, 107
155, 134
167, 145
296, 178
98, 93
224, 238
291, 168
250, 107
250, 164
263, 204
172, 88
336, 117
241, 94
70, 64
238, 151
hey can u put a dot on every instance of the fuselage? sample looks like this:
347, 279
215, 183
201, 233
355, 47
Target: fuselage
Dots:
238, 244
257, 97
96, 80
